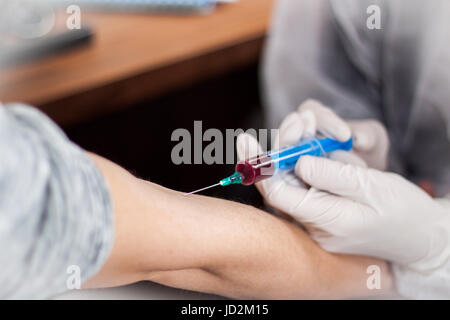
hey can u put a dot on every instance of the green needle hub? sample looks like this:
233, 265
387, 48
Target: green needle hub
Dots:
236, 178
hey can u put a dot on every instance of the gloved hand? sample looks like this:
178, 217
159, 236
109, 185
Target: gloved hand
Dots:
352, 209
370, 139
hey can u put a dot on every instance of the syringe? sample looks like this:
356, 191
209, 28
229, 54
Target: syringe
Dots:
264, 166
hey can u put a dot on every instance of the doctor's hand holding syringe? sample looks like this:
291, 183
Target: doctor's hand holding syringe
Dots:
348, 204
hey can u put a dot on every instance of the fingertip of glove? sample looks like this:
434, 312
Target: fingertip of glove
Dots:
289, 120
343, 133
362, 141
247, 146
309, 103
303, 168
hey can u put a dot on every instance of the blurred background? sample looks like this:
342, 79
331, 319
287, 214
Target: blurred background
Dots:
120, 76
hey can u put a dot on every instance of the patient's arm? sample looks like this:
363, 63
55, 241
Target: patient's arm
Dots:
220, 247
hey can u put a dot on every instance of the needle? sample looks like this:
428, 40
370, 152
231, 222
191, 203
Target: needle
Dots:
214, 185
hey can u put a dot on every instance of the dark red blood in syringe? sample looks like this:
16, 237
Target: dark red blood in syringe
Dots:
255, 169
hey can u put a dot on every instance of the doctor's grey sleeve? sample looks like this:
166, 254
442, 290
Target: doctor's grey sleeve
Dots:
321, 49
56, 215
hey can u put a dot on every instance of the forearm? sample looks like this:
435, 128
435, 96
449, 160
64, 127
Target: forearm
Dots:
218, 246
250, 254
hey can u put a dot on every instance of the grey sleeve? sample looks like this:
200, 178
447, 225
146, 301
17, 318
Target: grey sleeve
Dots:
321, 49
55, 208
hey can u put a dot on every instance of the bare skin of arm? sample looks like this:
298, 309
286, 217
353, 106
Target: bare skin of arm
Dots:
221, 247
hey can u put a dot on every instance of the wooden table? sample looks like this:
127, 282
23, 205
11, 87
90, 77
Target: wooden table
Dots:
139, 56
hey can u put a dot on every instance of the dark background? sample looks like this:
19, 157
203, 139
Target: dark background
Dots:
139, 137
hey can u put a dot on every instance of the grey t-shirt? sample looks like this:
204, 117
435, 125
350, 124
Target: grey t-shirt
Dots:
56, 214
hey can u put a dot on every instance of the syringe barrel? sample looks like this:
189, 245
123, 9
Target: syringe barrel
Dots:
256, 169
265, 165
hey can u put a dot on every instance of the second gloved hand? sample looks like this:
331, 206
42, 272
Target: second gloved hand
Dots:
370, 138
357, 210
349, 208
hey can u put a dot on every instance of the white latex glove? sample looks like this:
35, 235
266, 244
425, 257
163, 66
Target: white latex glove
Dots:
370, 139
353, 209
356, 210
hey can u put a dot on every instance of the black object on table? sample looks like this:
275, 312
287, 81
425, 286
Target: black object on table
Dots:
43, 47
